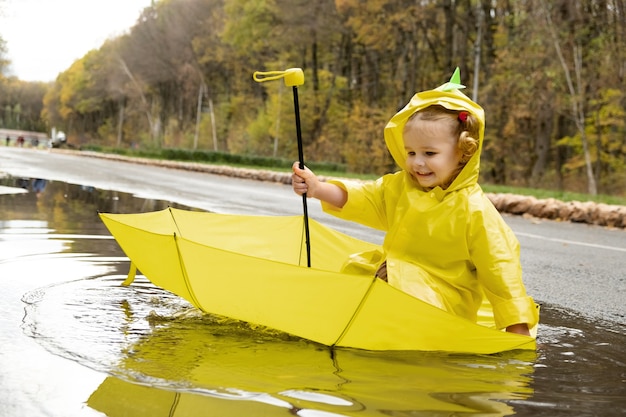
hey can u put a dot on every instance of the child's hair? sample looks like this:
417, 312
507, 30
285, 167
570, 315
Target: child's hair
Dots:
459, 122
463, 124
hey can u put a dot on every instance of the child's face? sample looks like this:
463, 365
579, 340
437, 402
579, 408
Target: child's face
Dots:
432, 156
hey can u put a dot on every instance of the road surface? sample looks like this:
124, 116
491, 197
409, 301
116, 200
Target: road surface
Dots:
579, 267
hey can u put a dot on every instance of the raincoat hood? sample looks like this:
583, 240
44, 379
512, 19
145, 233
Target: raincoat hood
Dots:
448, 96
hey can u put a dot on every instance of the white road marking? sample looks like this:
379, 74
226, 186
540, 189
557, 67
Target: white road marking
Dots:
571, 242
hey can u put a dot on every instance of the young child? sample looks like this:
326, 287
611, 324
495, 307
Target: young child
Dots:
446, 244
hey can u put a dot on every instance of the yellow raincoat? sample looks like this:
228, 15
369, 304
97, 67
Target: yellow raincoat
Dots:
446, 247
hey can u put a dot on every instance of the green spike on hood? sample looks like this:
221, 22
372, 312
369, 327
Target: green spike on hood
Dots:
454, 83
448, 96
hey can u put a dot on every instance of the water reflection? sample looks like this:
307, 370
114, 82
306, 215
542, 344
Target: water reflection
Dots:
158, 356
69, 206
163, 351
31, 221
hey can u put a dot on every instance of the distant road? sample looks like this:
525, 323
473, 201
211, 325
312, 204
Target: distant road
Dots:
27, 135
577, 266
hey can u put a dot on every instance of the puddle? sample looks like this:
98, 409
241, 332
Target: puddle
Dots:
139, 350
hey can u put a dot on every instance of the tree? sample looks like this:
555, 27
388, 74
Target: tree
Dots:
547, 72
4, 61
576, 89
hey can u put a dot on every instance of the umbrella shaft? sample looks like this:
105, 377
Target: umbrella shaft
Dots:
306, 231
296, 107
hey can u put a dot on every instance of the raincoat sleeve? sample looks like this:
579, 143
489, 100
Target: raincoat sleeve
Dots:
495, 252
365, 204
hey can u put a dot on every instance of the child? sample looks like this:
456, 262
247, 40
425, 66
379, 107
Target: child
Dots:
446, 244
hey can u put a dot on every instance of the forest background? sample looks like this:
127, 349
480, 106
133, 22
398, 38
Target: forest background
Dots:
550, 75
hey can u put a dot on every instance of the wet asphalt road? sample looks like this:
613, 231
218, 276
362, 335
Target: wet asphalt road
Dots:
579, 267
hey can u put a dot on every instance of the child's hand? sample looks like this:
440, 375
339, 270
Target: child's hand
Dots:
520, 328
303, 180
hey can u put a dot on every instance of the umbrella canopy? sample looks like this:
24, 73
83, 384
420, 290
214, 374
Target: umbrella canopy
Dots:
253, 268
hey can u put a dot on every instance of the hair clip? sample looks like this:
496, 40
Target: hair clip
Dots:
463, 116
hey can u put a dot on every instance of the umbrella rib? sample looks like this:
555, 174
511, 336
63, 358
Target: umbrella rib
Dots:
194, 300
174, 220
356, 312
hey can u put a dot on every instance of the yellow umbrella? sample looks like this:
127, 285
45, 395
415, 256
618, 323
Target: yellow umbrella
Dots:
253, 268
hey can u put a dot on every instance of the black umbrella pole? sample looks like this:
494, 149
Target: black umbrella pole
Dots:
296, 107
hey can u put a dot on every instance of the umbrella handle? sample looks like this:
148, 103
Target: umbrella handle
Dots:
293, 77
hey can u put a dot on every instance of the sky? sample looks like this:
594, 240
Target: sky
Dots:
44, 37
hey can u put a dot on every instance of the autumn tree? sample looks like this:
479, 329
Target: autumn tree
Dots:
548, 73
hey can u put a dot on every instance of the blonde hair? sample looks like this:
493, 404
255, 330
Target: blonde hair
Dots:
465, 127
